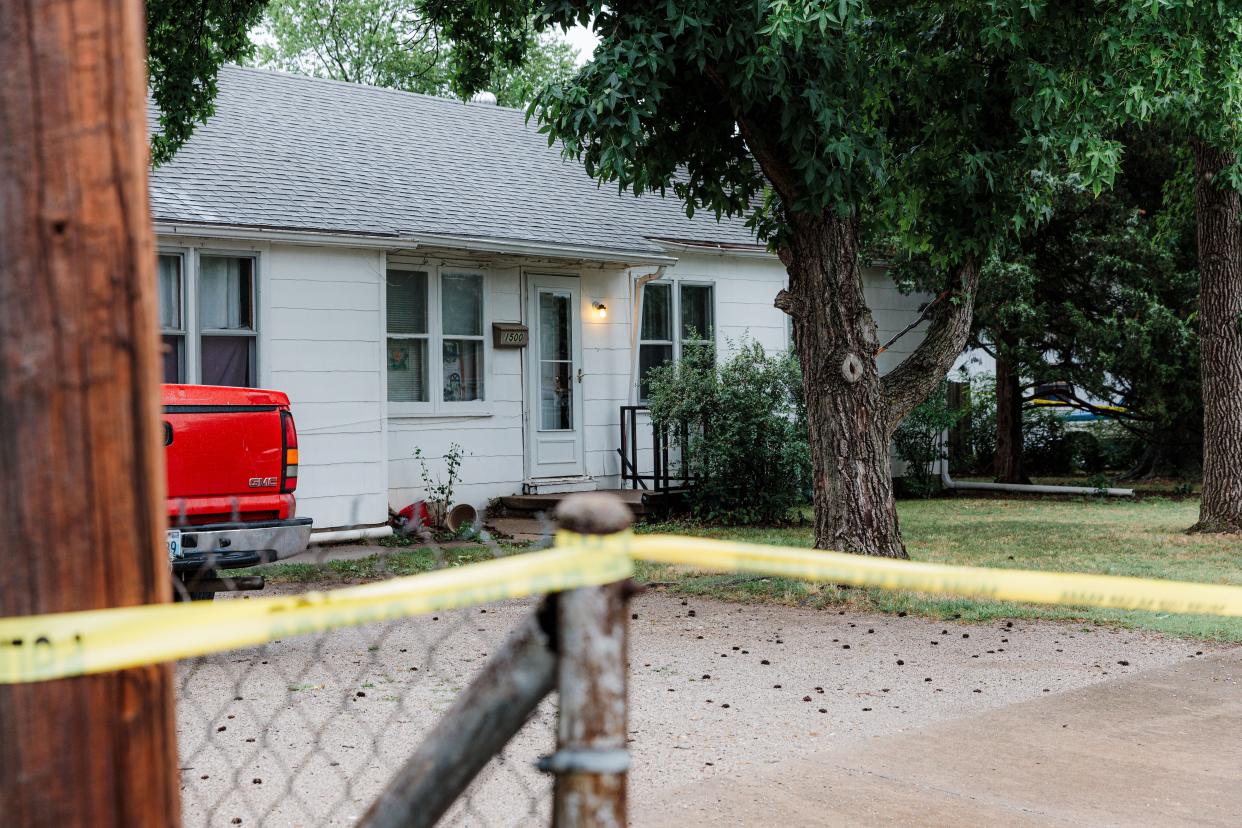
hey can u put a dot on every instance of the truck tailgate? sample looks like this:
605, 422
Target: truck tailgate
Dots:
224, 445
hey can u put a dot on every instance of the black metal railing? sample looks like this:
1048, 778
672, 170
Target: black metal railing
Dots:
666, 474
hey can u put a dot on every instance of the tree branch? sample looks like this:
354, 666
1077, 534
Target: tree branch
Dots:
909, 383
782, 176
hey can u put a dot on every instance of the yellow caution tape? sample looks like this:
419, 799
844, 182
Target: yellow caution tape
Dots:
40, 647
1070, 588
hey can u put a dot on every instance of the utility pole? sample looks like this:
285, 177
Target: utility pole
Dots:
81, 462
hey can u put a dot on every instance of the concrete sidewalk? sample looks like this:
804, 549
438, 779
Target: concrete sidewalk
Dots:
1161, 747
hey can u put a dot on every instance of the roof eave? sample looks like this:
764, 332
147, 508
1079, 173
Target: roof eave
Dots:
749, 251
407, 241
542, 250
328, 238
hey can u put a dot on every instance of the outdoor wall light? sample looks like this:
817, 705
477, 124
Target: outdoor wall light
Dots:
601, 310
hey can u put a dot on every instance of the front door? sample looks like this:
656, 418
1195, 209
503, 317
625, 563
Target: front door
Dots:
555, 378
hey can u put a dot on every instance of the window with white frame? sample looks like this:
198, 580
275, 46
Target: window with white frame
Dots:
436, 347
208, 323
172, 317
674, 315
226, 324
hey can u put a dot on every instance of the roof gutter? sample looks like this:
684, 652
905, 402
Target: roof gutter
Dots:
714, 249
269, 234
409, 241
540, 249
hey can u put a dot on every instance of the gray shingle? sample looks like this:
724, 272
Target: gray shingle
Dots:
309, 154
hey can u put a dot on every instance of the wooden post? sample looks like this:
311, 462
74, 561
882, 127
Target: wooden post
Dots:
481, 721
81, 463
591, 760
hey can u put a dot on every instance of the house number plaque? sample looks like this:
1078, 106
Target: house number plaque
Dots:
510, 335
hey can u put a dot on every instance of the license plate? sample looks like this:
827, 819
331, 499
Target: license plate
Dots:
174, 544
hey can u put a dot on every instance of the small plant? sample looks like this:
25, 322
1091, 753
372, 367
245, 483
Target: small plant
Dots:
1099, 481
440, 489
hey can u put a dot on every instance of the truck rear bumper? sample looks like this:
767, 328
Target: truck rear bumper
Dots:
236, 545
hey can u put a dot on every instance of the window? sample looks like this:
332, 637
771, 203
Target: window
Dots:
447, 343
208, 319
461, 304
226, 321
407, 337
172, 317
659, 341
556, 361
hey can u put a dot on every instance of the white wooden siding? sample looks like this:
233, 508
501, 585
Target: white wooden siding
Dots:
322, 346
322, 331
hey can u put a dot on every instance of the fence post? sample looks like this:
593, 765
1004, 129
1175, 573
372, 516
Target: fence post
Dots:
81, 462
591, 759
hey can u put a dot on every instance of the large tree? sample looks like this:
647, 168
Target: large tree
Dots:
1102, 296
389, 43
939, 121
1181, 61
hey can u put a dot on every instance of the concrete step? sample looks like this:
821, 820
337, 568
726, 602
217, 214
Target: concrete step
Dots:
641, 503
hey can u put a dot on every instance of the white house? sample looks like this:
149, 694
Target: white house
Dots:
362, 249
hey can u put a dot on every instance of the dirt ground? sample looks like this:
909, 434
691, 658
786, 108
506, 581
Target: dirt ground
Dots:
305, 732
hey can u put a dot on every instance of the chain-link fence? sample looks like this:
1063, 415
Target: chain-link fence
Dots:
308, 730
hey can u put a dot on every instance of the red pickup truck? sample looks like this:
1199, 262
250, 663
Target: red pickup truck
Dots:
232, 456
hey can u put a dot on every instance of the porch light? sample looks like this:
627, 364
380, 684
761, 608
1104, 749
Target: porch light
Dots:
601, 310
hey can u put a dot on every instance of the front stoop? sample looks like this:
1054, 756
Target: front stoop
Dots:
559, 485
533, 504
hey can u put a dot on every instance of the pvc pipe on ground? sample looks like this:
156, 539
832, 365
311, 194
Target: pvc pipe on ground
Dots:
1025, 488
350, 535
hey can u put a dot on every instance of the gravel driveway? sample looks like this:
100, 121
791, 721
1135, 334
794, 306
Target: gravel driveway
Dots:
305, 732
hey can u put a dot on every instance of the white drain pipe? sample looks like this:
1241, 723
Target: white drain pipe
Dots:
1024, 488
350, 535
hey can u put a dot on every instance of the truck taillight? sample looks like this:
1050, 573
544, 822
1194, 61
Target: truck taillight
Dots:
289, 448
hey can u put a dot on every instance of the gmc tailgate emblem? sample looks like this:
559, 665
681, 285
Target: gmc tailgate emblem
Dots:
262, 482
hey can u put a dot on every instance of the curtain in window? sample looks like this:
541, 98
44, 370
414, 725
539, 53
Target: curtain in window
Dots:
226, 293
226, 361
170, 292
169, 287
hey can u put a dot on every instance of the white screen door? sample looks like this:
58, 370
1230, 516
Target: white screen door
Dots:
555, 377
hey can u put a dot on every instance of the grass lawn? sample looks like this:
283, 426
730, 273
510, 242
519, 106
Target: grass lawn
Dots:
1142, 538
399, 558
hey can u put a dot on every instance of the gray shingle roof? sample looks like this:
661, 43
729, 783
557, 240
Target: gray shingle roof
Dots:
303, 153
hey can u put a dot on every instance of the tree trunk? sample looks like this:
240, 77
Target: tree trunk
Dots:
1007, 462
851, 410
1218, 213
82, 486
846, 414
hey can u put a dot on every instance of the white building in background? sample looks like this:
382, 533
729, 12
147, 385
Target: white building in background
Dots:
377, 255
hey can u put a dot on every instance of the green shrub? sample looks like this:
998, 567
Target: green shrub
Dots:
1046, 447
919, 442
977, 422
746, 431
